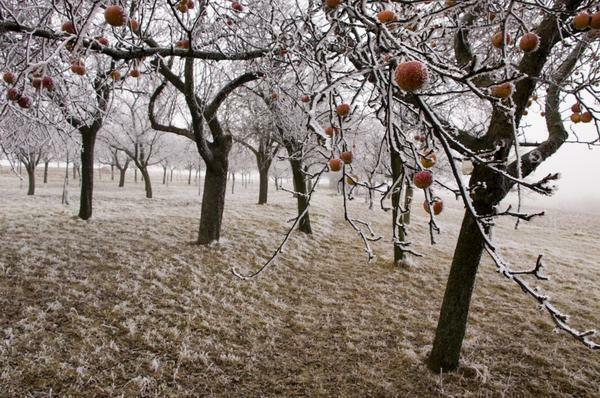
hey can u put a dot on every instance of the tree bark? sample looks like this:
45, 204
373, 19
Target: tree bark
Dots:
112, 172
164, 181
46, 163
301, 199
213, 203
31, 177
88, 138
263, 190
452, 323
147, 182
398, 200
122, 177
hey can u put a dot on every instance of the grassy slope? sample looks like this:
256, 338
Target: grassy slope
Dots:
125, 304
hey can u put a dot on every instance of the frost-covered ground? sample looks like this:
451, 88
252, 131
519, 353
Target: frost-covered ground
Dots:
126, 305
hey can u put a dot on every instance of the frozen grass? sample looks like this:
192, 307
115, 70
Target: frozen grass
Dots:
126, 305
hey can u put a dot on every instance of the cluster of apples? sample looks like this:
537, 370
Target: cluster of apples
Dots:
185, 5
577, 116
337, 163
424, 178
528, 43
585, 20
38, 82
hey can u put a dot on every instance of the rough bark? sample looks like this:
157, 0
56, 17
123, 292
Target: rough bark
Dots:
88, 138
452, 323
31, 178
46, 163
213, 203
263, 190
147, 182
122, 173
301, 199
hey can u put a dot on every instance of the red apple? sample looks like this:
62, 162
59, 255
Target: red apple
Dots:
342, 109
576, 107
595, 21
48, 83
499, 39
436, 204
78, 67
12, 94
25, 102
586, 117
346, 157
423, 179
329, 131
9, 77
134, 25
134, 73
102, 40
335, 165
333, 3
386, 16
114, 15
36, 82
116, 75
529, 42
237, 7
411, 75
68, 27
582, 20
305, 98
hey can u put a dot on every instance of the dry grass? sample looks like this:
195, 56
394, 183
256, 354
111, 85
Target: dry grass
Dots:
125, 305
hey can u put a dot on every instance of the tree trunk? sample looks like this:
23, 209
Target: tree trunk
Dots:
46, 163
190, 176
122, 177
135, 176
452, 323
397, 202
112, 172
171, 179
213, 203
31, 176
232, 182
147, 183
301, 199
263, 190
164, 175
88, 139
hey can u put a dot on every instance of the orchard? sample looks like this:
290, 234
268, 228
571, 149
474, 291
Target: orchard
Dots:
277, 198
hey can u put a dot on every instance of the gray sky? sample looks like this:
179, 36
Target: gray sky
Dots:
579, 187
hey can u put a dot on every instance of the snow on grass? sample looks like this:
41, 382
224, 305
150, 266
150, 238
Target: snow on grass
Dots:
126, 304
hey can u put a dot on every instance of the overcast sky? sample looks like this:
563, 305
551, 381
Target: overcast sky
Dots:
579, 166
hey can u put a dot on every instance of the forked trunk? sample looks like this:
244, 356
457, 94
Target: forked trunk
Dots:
88, 139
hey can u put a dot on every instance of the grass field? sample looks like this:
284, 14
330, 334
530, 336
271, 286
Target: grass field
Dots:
126, 305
